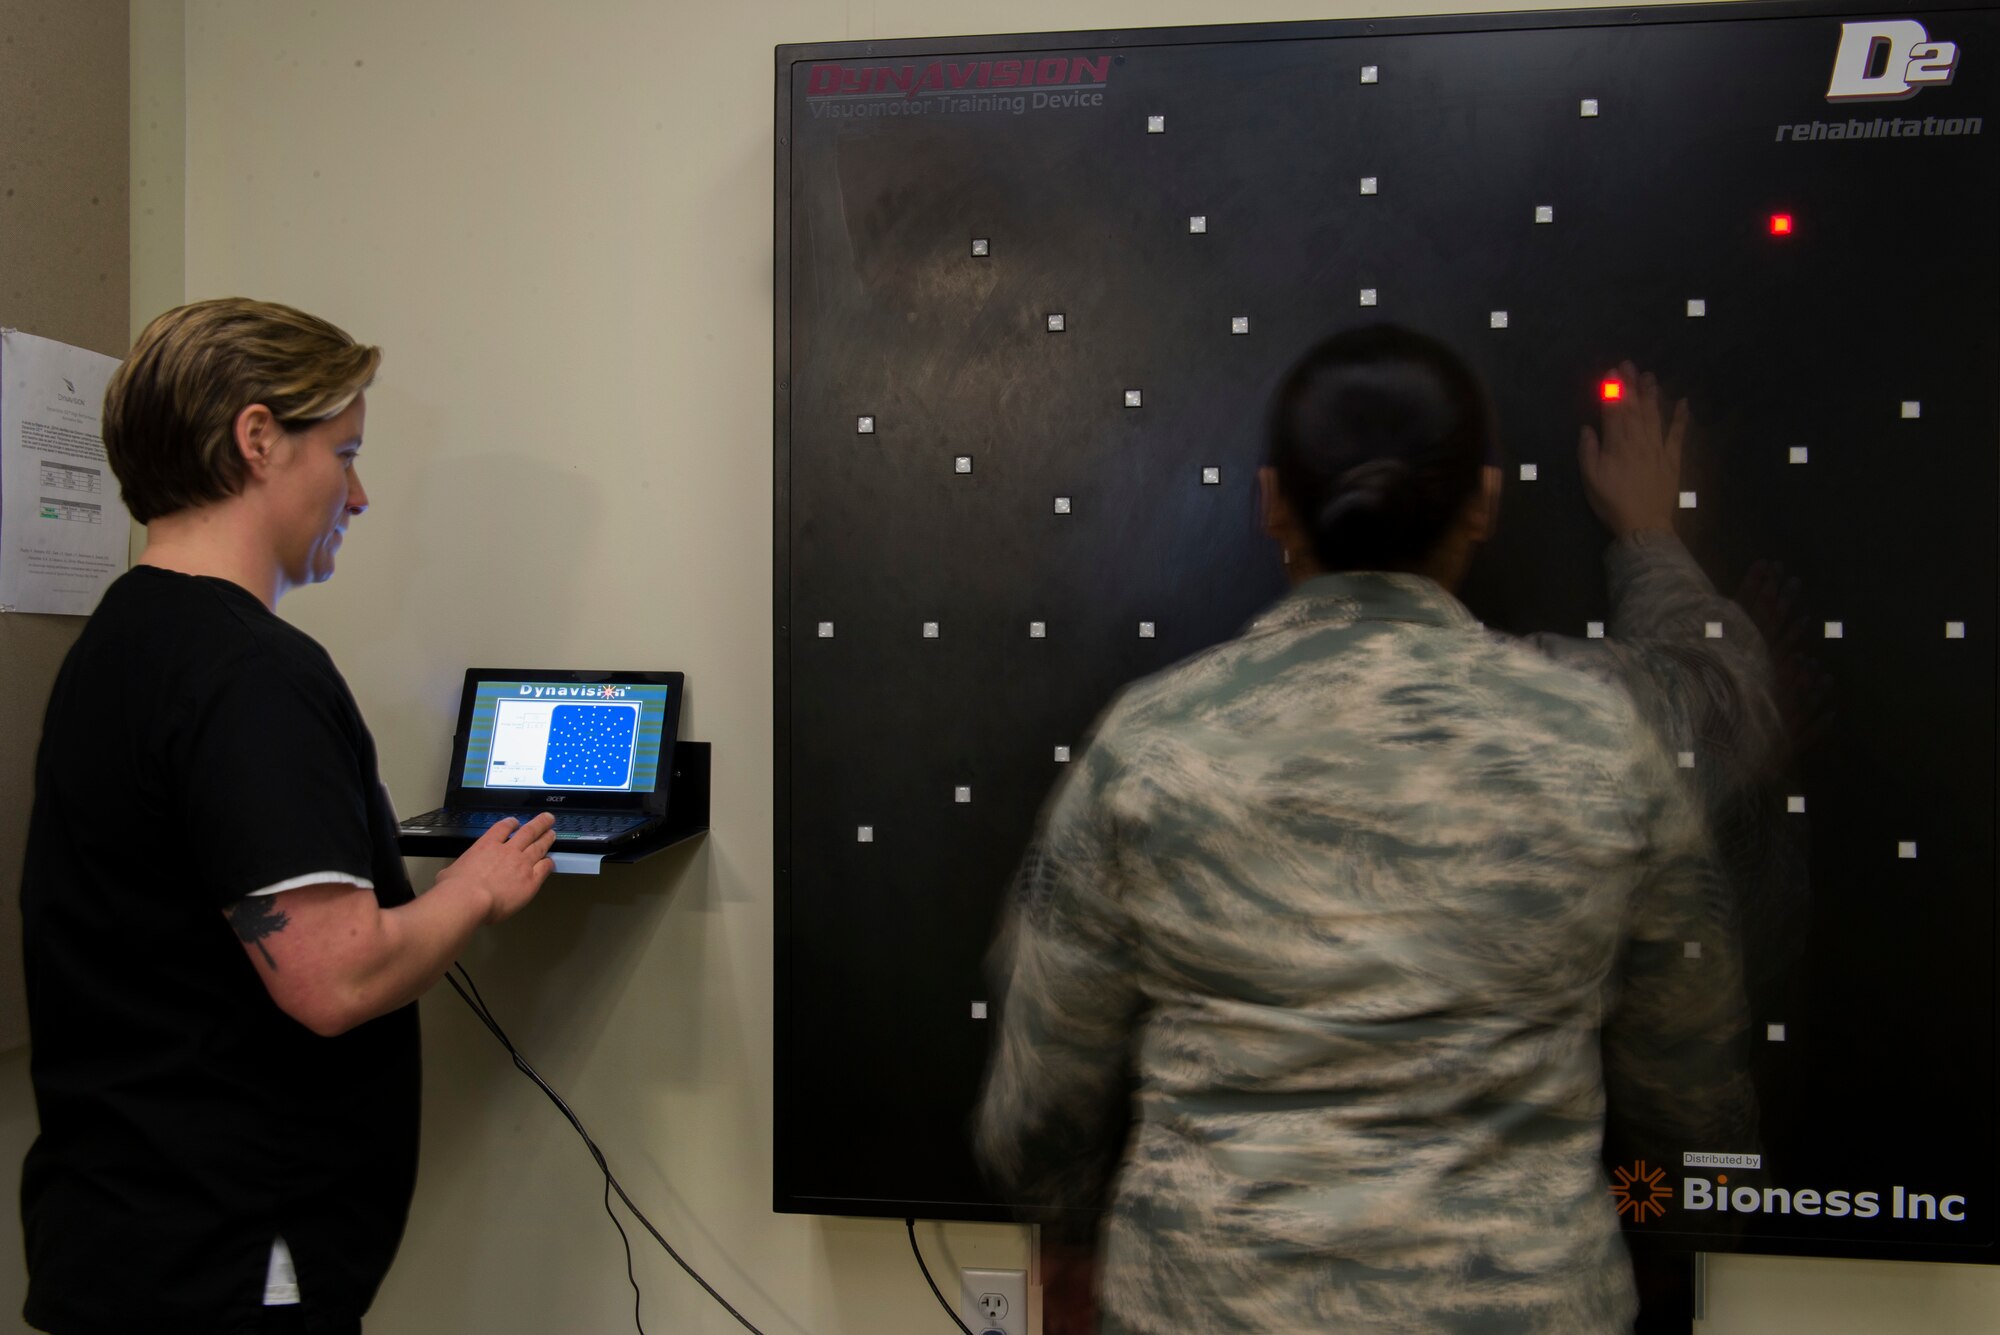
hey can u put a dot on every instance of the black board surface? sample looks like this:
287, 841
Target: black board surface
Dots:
944, 457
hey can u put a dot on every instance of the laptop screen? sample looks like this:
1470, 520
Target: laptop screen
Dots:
599, 736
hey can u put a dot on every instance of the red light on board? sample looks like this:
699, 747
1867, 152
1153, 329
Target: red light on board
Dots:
1781, 224
1612, 390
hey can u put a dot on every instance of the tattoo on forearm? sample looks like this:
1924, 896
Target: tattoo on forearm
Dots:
255, 918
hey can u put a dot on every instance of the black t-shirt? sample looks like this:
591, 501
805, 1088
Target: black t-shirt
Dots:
197, 749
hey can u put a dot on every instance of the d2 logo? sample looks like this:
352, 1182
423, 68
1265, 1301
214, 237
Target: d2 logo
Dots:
1901, 55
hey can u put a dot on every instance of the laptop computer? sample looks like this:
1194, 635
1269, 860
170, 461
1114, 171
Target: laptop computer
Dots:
594, 748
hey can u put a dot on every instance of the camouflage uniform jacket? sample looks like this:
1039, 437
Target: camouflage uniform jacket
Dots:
1327, 918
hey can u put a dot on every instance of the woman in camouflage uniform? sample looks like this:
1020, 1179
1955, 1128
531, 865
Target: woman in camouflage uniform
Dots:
1307, 969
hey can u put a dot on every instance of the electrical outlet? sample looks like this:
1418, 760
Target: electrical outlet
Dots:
994, 1302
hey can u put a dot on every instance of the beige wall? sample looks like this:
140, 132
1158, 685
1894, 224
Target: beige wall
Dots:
63, 245
63, 274
556, 219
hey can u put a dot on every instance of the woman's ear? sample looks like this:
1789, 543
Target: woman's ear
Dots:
1484, 514
257, 436
1271, 507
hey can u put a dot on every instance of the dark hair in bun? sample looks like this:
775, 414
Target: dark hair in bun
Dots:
1378, 436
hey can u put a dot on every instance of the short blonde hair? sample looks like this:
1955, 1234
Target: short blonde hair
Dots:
170, 409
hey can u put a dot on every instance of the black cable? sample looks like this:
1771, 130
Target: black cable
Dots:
486, 1017
630, 1278
611, 1182
917, 1252
483, 1011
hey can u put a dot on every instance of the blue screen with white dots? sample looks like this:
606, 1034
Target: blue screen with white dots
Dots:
590, 746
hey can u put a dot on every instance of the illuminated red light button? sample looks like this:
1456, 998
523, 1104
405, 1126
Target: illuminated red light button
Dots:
1781, 224
1613, 390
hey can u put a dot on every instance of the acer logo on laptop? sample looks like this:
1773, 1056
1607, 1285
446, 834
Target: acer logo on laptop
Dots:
1888, 60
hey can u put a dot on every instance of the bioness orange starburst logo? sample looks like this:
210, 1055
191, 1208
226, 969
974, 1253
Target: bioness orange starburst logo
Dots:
1642, 1193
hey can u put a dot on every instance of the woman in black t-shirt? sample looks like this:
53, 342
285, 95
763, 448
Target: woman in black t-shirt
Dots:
223, 949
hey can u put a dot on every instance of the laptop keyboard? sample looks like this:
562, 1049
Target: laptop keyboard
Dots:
567, 822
